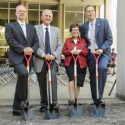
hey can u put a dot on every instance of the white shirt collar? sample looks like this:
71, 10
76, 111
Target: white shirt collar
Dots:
46, 27
92, 22
21, 22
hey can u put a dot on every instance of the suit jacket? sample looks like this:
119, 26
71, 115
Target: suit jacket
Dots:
17, 41
69, 45
103, 35
55, 46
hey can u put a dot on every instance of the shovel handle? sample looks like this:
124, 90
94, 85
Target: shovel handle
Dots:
49, 87
75, 58
75, 75
27, 58
49, 64
97, 62
96, 57
97, 74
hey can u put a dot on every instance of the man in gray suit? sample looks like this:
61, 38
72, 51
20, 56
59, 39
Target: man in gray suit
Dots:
50, 49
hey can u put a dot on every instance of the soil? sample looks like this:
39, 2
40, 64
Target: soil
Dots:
115, 115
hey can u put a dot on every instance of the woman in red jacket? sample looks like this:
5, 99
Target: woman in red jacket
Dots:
75, 46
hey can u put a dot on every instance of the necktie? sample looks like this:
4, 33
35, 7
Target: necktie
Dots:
24, 29
47, 42
92, 38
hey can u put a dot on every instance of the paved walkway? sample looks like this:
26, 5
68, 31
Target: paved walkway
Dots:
114, 110
7, 92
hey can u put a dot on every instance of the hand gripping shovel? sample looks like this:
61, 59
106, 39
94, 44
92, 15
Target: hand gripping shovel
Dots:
50, 113
27, 112
75, 110
98, 109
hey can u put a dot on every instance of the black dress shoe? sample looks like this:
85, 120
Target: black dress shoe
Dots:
16, 112
43, 108
54, 106
24, 104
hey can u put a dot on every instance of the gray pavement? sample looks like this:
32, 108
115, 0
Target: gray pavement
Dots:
115, 108
7, 91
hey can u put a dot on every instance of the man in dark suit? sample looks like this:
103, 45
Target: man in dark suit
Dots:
21, 38
50, 50
98, 35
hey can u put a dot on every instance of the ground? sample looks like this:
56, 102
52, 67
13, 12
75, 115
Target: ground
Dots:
115, 108
115, 115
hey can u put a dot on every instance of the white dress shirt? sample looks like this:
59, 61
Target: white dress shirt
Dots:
91, 35
75, 41
23, 26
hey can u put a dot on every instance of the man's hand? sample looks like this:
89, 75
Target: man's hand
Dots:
28, 50
49, 57
98, 51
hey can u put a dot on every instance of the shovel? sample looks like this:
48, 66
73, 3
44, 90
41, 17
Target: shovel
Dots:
112, 87
50, 113
75, 110
98, 109
27, 112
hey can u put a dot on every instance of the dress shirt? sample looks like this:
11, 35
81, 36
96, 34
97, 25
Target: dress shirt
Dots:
91, 35
23, 26
44, 30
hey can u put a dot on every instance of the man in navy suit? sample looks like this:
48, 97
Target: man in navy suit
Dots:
21, 38
98, 35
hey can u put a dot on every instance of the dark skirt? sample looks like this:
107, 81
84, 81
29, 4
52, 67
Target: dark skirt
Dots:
81, 73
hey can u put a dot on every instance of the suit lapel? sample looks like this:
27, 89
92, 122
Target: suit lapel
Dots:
97, 27
87, 29
27, 31
19, 28
41, 35
52, 38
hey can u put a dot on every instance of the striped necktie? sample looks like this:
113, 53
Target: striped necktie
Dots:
92, 38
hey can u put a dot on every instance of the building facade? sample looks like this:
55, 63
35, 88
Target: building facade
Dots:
65, 13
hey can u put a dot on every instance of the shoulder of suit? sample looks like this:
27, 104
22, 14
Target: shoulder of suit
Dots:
11, 24
101, 19
29, 25
54, 27
84, 24
38, 26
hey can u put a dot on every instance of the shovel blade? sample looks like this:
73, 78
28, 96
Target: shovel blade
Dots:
75, 111
27, 114
53, 114
97, 111
47, 115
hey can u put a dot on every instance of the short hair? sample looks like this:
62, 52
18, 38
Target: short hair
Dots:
88, 6
47, 10
74, 25
20, 6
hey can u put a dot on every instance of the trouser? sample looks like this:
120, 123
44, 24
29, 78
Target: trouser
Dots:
102, 69
42, 79
21, 86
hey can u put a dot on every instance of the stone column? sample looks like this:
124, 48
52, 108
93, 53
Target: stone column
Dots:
120, 85
61, 19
